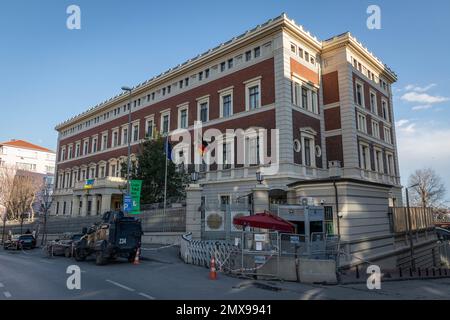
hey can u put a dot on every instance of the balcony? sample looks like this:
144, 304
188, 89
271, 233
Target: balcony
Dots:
380, 177
108, 182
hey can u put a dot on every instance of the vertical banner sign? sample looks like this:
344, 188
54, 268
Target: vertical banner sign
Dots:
135, 193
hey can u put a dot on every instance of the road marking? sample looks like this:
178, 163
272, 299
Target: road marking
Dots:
120, 285
42, 260
146, 296
7, 294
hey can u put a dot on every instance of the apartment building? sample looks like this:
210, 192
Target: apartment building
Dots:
25, 156
325, 108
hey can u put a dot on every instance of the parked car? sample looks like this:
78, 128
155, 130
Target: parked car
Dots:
18, 242
443, 234
64, 247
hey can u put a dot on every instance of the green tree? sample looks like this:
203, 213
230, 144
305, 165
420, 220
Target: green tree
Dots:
150, 168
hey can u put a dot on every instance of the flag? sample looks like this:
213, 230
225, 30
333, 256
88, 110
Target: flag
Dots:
168, 149
89, 184
203, 148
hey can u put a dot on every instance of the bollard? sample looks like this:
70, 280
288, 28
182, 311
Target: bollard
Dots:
434, 272
426, 270
410, 272
357, 272
419, 273
400, 272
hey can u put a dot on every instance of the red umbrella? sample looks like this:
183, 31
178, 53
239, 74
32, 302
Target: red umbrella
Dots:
265, 221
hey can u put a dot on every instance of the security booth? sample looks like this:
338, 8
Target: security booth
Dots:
307, 219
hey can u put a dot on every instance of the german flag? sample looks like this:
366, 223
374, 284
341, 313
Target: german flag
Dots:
203, 148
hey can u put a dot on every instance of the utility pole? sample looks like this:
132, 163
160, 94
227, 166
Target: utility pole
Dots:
129, 90
411, 244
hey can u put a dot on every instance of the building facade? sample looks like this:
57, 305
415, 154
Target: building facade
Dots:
26, 156
306, 109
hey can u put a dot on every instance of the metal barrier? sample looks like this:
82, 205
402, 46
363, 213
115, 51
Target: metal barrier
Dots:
444, 253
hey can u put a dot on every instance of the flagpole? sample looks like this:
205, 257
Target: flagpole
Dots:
165, 180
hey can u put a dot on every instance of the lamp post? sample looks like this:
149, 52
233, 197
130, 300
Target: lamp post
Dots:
259, 177
129, 90
413, 263
194, 177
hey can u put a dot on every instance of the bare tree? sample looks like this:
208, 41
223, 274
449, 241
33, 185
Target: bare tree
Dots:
7, 176
430, 189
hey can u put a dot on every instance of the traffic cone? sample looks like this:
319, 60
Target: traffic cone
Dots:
136, 257
212, 270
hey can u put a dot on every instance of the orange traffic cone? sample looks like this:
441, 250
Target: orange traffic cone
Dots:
212, 270
136, 257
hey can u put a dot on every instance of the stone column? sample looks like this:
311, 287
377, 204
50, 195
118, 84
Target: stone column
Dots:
193, 214
260, 198
106, 203
84, 207
94, 208
76, 206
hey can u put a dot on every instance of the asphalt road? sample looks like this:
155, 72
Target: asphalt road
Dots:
161, 276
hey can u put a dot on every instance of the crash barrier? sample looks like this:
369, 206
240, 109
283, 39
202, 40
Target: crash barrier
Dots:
268, 255
156, 220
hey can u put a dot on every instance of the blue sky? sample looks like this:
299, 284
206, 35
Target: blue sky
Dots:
50, 73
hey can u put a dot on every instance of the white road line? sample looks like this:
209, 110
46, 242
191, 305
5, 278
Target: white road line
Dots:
7, 294
120, 285
42, 260
146, 296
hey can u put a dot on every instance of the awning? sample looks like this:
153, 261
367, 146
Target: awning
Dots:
265, 221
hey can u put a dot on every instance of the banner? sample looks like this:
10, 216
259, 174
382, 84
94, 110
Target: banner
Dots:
135, 193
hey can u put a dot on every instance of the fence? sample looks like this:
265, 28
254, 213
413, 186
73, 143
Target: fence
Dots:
172, 220
421, 219
444, 253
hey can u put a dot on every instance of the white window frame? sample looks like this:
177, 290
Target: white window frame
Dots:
163, 114
360, 122
181, 108
229, 141
250, 84
115, 144
85, 148
383, 105
201, 101
310, 134
96, 144
379, 166
374, 107
223, 93
253, 134
133, 138
390, 163
70, 152
376, 133
387, 135
122, 134
367, 165
357, 82
77, 149
104, 143
147, 120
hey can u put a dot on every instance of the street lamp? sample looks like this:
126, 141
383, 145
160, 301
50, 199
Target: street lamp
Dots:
413, 263
129, 90
259, 177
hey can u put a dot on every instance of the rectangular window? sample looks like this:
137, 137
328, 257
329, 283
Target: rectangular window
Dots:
253, 151
308, 155
230, 63
378, 161
248, 55
94, 145
364, 157
77, 150
373, 103
164, 91
226, 155
362, 124
314, 102
385, 110
104, 141
293, 48
390, 164
165, 124
204, 112
200, 76
181, 84
135, 132
304, 98
186, 82
253, 93
387, 135
257, 52
150, 128
124, 135
206, 73
306, 56
300, 52
183, 119
359, 94
375, 129
222, 67
115, 141
226, 106
86, 148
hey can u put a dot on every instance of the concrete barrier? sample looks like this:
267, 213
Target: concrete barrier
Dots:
317, 271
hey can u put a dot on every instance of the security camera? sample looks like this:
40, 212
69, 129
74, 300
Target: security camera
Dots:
322, 202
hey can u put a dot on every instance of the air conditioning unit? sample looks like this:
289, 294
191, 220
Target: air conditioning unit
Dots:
334, 168
308, 201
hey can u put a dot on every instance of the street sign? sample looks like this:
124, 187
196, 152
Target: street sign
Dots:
135, 193
127, 203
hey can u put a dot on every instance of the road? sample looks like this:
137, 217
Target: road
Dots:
162, 276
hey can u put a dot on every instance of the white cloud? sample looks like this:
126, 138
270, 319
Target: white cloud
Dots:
405, 125
401, 122
422, 107
426, 147
423, 98
412, 87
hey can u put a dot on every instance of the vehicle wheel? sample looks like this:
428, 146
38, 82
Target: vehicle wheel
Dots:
67, 253
99, 258
79, 256
131, 256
